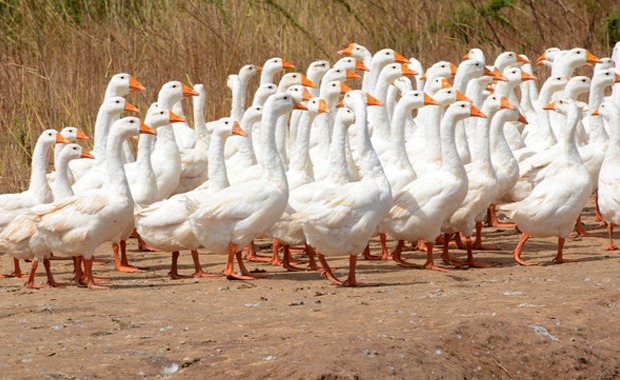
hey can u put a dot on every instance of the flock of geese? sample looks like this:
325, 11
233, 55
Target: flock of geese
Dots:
319, 166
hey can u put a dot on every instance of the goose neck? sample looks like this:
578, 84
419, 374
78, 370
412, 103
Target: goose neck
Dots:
38, 180
450, 159
269, 157
300, 158
218, 177
339, 172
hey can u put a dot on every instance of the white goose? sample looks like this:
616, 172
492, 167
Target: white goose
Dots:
231, 218
17, 242
339, 220
424, 204
271, 67
165, 225
552, 207
39, 191
77, 225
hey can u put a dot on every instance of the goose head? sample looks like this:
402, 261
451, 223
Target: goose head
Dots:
276, 65
351, 64
493, 103
607, 110
605, 78
226, 127
73, 134
548, 56
554, 84
508, 59
562, 106
345, 116
403, 84
123, 84
578, 57
299, 93
317, 105
393, 71
116, 105
440, 69
173, 92
332, 90
463, 109
472, 68
476, 54
516, 76
513, 115
605, 64
292, 79
449, 95
416, 99
252, 115
577, 85
247, 72
437, 84
263, 92
49, 137
131, 126
339, 74
74, 151
357, 98
387, 56
281, 104
233, 81
158, 117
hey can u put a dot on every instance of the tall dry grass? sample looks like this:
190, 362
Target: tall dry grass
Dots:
56, 56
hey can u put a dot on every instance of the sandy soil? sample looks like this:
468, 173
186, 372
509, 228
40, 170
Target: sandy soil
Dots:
548, 321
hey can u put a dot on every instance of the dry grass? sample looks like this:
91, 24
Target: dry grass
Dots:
56, 56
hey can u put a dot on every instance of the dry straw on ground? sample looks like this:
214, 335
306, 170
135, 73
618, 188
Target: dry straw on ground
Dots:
56, 56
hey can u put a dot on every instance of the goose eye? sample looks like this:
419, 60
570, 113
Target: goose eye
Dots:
118, 101
275, 60
226, 122
174, 86
333, 85
131, 121
161, 113
578, 52
583, 80
74, 148
462, 105
286, 98
123, 77
415, 94
294, 76
387, 53
49, 134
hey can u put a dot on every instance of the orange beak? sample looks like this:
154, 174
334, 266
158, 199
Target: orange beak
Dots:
60, 139
352, 75
525, 76
174, 118
359, 66
591, 58
407, 71
497, 75
259, 68
476, 112
595, 113
522, 119
428, 101
344, 88
460, 96
286, 65
490, 89
130, 108
299, 106
323, 108
569, 78
81, 135
237, 130
372, 101
445, 83
550, 106
617, 78
340, 103
306, 95
146, 129
86, 154
488, 72
539, 60
307, 82
453, 69
466, 56
522, 59
134, 85
187, 92
505, 104
347, 51
399, 58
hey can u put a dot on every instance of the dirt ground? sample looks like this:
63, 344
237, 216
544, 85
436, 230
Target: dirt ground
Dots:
547, 322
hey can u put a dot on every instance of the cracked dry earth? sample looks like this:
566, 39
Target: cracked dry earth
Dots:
545, 322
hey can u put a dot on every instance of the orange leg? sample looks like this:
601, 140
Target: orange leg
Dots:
252, 256
558, 258
429, 259
517, 252
580, 229
610, 231
142, 246
368, 256
286, 259
494, 222
88, 272
275, 257
421, 245
385, 254
445, 251
174, 271
244, 270
397, 256
17, 272
311, 261
118, 261
470, 256
50, 277
599, 217
229, 269
77, 271
198, 268
124, 260
351, 281
478, 243
326, 271
30, 284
